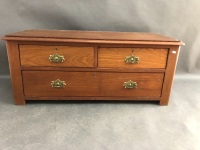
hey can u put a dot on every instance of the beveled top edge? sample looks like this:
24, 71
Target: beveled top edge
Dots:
92, 35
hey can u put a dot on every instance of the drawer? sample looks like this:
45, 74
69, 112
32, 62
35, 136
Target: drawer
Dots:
39, 55
142, 85
148, 57
39, 84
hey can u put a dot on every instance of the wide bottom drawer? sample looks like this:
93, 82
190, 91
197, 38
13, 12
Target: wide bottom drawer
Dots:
88, 84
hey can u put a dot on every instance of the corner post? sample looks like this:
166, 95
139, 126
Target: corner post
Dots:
15, 72
169, 74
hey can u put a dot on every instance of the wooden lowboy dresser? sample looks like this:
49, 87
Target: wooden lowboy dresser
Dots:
91, 65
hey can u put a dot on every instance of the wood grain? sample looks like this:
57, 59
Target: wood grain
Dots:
38, 55
94, 66
15, 72
92, 69
115, 57
38, 83
85, 44
101, 98
88, 41
91, 84
92, 35
169, 75
148, 84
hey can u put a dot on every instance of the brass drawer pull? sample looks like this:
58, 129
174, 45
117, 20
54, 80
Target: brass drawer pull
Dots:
132, 59
58, 83
130, 84
56, 58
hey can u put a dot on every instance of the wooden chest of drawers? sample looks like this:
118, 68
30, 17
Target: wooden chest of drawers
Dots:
89, 65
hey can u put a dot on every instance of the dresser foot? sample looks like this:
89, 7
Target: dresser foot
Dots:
163, 103
20, 102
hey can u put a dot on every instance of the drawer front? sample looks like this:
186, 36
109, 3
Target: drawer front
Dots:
143, 58
68, 56
144, 84
39, 84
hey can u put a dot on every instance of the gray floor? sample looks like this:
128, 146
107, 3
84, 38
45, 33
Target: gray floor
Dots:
103, 126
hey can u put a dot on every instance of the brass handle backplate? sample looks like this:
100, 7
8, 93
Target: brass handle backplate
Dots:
56, 58
132, 59
58, 83
130, 84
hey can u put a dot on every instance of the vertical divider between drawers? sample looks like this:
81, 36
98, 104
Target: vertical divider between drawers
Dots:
95, 56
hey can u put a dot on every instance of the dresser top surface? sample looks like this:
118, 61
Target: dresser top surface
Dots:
93, 35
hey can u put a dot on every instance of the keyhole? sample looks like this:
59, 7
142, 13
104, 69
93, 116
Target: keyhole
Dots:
94, 74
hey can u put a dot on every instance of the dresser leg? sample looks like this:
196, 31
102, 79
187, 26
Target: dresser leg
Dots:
163, 102
169, 75
15, 72
18, 95
21, 102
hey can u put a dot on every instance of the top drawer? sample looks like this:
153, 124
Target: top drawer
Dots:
39, 55
140, 57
